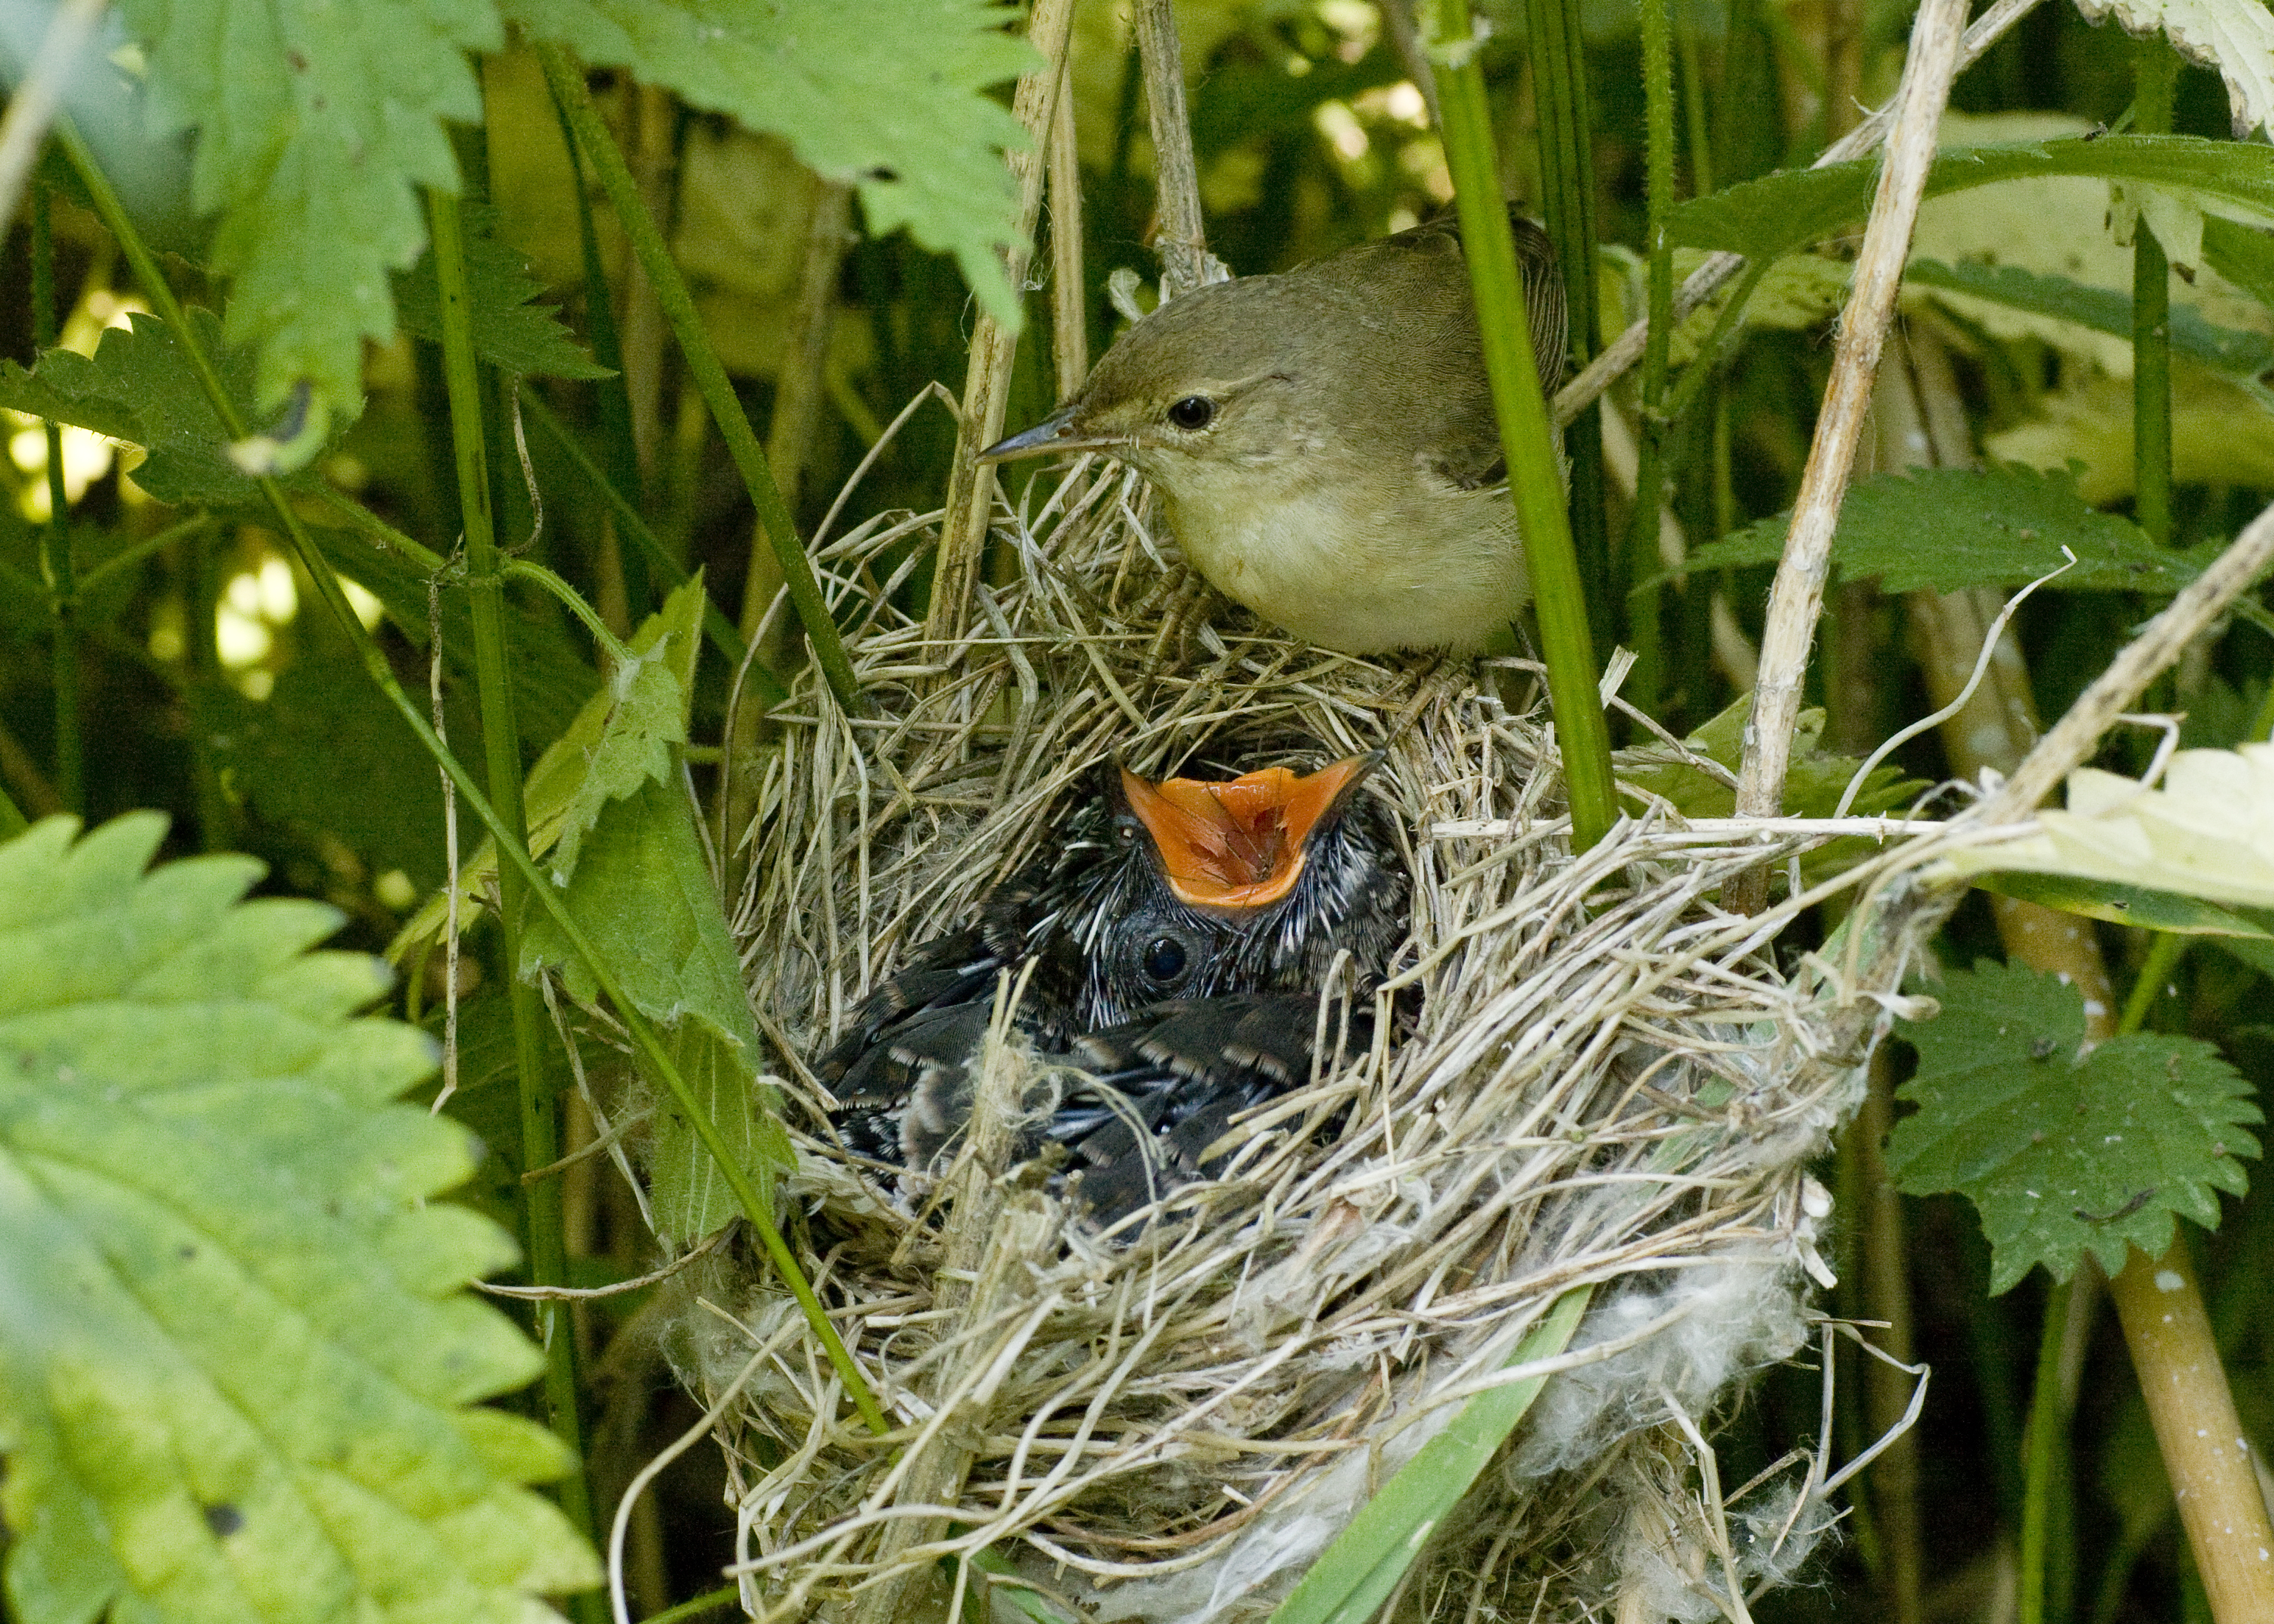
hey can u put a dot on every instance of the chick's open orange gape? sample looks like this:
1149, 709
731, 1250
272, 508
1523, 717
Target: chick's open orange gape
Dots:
1238, 843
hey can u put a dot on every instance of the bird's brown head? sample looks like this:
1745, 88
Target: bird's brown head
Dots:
1227, 847
1229, 373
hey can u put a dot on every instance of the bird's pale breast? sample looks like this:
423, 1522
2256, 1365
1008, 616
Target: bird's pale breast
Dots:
1397, 562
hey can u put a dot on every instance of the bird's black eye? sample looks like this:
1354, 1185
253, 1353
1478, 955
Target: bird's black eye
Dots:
1193, 413
1164, 961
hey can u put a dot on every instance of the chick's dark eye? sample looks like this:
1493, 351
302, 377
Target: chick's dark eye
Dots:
1194, 411
1164, 960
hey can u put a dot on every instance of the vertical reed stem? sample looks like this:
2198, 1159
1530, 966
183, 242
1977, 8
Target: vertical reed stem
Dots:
1567, 177
540, 1099
1582, 734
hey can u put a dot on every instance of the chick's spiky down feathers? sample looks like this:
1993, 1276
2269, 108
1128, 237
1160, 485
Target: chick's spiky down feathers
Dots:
1181, 935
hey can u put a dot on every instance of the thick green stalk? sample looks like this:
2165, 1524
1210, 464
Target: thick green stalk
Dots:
1567, 181
55, 545
828, 648
2047, 1471
1650, 467
1525, 436
654, 1056
2151, 317
543, 1232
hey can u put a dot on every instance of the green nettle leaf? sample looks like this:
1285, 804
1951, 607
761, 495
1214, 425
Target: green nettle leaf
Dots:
140, 388
2063, 1153
644, 895
511, 332
2244, 257
2102, 309
2208, 832
239, 1376
1785, 212
316, 123
2234, 36
1945, 528
621, 737
884, 96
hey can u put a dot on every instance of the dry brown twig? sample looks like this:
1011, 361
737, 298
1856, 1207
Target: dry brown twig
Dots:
1797, 597
1620, 354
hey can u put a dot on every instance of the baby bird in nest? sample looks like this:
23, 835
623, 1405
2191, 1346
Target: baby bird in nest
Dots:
1181, 934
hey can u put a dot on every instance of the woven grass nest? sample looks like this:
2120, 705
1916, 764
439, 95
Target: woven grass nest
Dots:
1597, 1079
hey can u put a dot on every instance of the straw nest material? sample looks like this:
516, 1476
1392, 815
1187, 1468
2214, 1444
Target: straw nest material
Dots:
1593, 1078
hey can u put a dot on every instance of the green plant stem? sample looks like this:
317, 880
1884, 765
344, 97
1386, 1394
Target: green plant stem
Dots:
2046, 1468
1644, 629
1526, 437
725, 636
1693, 107
1707, 363
1567, 181
696, 1606
2164, 955
649, 1046
544, 1230
599, 148
12, 820
570, 599
56, 545
2151, 318
127, 557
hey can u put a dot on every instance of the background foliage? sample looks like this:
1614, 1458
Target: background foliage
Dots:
829, 179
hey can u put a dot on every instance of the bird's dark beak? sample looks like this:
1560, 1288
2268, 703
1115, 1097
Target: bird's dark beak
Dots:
1228, 847
1055, 433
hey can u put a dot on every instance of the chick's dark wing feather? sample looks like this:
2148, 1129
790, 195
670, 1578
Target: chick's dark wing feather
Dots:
1170, 1085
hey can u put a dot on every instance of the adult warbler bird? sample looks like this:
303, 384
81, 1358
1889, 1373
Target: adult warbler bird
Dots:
1183, 933
1323, 440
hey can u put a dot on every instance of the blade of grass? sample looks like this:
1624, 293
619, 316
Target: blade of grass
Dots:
543, 1232
1363, 1566
608, 161
2046, 1448
654, 1055
1534, 481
